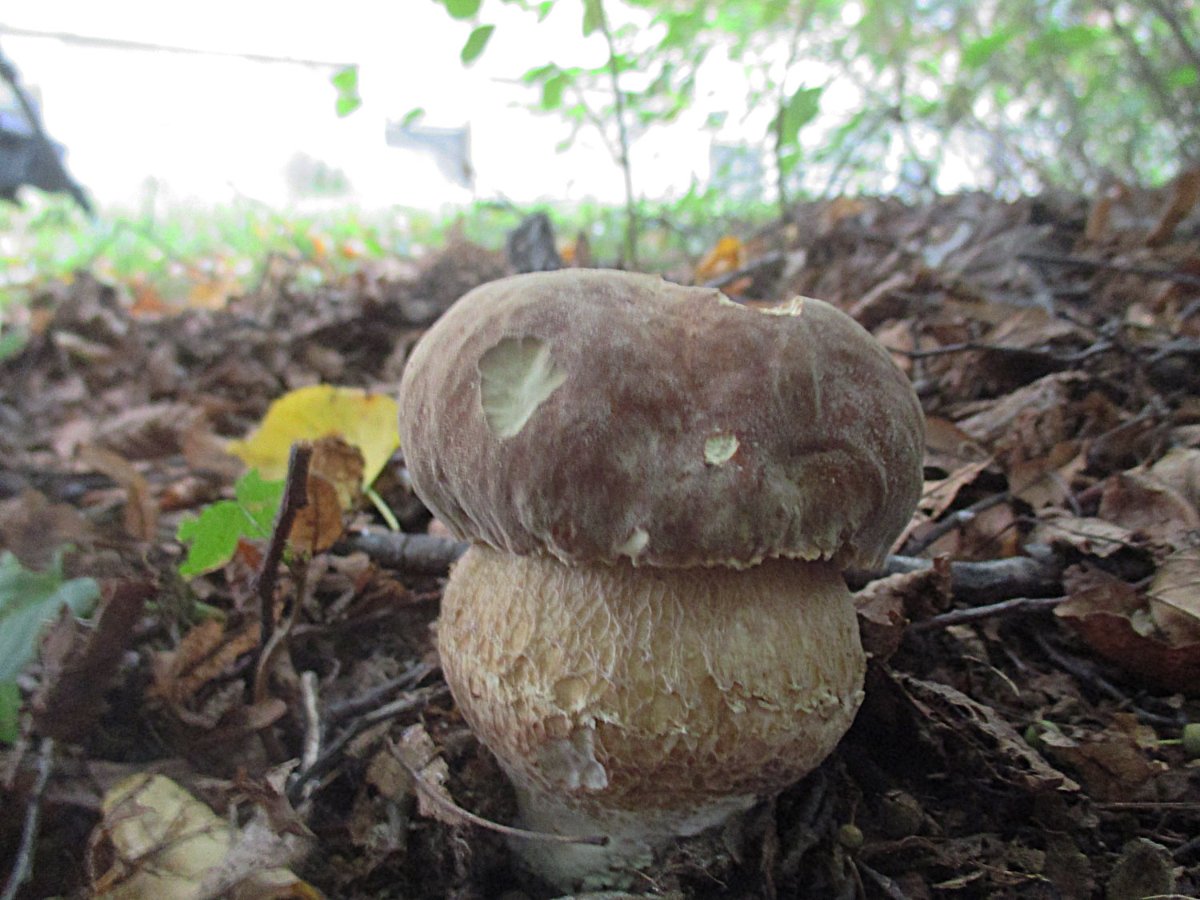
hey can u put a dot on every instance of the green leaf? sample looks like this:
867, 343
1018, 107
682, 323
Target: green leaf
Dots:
345, 79
411, 116
346, 82
801, 109
552, 91
593, 16
212, 537
539, 73
10, 711
29, 600
976, 53
462, 9
475, 44
1183, 77
12, 342
1069, 39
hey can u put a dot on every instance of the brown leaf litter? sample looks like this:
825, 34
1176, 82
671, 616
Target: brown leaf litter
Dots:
1034, 648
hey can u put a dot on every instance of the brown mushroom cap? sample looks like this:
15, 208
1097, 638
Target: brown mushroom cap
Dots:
595, 415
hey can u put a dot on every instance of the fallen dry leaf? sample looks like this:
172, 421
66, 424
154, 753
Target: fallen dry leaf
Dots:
1114, 620
1174, 597
1089, 535
1185, 193
33, 528
979, 731
141, 509
155, 840
1046, 480
1112, 764
205, 653
158, 841
1179, 470
318, 524
417, 753
887, 605
1148, 508
366, 421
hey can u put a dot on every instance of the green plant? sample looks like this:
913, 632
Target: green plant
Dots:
212, 537
29, 601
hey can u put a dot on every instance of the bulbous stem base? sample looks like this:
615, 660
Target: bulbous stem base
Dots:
644, 703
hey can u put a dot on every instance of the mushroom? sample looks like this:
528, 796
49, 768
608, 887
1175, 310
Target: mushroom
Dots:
661, 487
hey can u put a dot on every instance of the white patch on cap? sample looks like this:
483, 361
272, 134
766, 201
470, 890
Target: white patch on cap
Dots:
793, 307
634, 544
720, 448
515, 377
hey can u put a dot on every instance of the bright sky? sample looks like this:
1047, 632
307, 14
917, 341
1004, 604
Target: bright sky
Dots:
209, 128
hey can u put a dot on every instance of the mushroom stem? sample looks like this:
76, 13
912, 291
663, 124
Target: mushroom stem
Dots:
646, 703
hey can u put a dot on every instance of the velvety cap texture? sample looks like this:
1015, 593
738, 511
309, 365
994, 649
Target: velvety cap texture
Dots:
595, 415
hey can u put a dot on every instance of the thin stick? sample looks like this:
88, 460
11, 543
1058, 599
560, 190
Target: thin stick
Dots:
1087, 674
455, 813
329, 755
752, 268
23, 867
975, 613
312, 722
1124, 268
352, 706
952, 521
295, 498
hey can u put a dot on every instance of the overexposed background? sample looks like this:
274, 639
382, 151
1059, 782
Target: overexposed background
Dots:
160, 125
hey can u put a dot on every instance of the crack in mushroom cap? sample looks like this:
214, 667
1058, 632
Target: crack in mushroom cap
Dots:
594, 415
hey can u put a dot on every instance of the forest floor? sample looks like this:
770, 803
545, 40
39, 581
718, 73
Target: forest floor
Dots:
1035, 638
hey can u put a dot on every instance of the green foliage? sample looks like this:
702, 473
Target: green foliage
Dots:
802, 108
346, 82
29, 601
1027, 92
461, 9
476, 43
212, 537
10, 712
12, 341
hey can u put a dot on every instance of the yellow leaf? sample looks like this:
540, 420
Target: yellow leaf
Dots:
366, 421
727, 256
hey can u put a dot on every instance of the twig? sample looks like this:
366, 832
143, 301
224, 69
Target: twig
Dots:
23, 866
1036, 575
1087, 674
332, 751
952, 521
415, 554
312, 722
1063, 360
889, 886
751, 268
295, 498
1083, 262
455, 812
336, 712
975, 613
